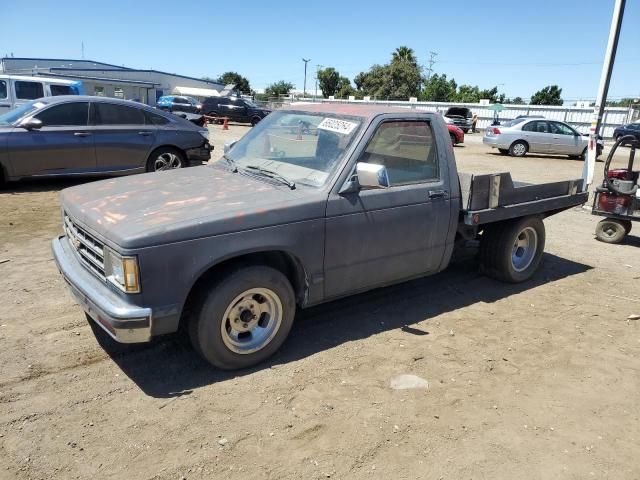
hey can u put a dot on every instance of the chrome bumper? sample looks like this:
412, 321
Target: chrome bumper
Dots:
124, 322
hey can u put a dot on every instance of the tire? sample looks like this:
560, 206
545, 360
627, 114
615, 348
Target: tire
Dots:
453, 139
213, 113
165, 158
611, 230
504, 151
511, 251
248, 289
255, 121
518, 149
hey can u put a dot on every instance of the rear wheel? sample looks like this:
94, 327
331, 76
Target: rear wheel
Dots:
612, 230
165, 158
243, 318
511, 251
453, 139
518, 149
255, 120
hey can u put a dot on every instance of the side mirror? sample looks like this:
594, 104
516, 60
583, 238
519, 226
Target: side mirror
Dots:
228, 146
372, 176
31, 123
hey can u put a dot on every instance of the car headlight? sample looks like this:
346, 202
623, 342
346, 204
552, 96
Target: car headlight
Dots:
205, 133
122, 271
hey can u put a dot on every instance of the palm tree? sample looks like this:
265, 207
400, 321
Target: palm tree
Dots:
404, 54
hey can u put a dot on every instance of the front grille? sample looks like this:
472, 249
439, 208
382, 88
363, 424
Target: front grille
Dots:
89, 249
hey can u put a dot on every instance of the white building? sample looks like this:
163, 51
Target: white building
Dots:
104, 79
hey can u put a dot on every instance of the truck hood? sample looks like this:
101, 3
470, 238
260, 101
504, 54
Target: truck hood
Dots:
165, 207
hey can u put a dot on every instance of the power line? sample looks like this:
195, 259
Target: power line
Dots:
432, 62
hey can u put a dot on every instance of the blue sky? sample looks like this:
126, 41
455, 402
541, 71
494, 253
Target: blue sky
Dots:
520, 46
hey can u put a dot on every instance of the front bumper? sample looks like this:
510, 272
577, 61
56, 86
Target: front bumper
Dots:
123, 321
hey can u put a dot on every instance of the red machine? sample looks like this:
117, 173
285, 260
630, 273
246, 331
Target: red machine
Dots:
618, 199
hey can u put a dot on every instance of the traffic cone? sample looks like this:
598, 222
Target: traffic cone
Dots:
225, 125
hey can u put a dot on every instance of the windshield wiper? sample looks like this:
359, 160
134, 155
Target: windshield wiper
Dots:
271, 174
231, 162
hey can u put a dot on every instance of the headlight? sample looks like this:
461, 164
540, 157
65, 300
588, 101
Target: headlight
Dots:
122, 271
205, 133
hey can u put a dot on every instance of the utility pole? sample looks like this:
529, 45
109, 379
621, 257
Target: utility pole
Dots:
318, 67
432, 61
304, 89
82, 48
603, 90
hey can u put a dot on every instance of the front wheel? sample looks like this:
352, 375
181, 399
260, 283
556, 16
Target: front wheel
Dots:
511, 251
612, 230
165, 158
243, 318
518, 149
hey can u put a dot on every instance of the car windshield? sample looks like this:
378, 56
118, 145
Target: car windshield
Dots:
250, 104
15, 114
303, 147
514, 122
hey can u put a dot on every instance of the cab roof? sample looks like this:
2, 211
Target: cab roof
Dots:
367, 111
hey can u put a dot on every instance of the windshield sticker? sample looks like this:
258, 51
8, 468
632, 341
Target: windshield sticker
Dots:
339, 126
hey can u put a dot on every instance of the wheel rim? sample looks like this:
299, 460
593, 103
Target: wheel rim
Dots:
609, 230
524, 249
166, 161
251, 320
519, 149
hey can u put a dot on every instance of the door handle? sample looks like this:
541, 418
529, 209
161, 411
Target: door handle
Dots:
81, 134
437, 194
144, 134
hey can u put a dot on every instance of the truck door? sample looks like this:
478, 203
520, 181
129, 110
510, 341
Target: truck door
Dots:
377, 237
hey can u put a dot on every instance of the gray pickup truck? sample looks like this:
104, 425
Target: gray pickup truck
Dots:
315, 203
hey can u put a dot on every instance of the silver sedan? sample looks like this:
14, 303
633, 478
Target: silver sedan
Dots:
535, 135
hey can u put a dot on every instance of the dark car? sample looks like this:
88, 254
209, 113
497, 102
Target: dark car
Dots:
461, 117
173, 103
81, 135
234, 108
629, 129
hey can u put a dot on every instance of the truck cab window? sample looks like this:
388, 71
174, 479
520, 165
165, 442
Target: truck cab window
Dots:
3, 89
407, 149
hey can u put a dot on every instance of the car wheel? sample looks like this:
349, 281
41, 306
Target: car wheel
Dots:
511, 251
504, 151
611, 230
518, 149
165, 158
243, 318
255, 120
453, 139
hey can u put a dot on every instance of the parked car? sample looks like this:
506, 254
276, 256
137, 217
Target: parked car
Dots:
368, 197
173, 103
628, 129
16, 90
234, 108
461, 117
81, 135
533, 135
456, 133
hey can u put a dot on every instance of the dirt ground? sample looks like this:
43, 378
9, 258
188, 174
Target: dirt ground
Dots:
538, 380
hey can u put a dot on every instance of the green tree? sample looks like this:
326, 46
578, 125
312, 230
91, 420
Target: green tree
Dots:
404, 54
279, 88
241, 83
549, 95
439, 89
517, 101
468, 94
328, 79
344, 88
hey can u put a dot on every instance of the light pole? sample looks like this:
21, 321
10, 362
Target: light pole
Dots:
318, 67
304, 89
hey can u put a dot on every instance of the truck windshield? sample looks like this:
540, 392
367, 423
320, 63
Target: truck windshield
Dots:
304, 147
15, 114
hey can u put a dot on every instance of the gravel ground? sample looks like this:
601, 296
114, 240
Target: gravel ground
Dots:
538, 380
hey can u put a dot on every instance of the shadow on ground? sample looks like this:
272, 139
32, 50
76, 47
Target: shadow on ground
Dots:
168, 367
44, 185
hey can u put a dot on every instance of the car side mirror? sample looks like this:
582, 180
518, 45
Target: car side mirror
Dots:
31, 123
371, 176
228, 146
